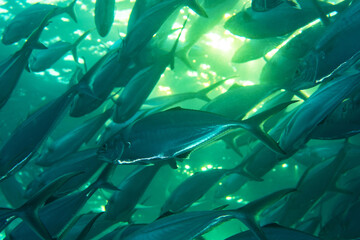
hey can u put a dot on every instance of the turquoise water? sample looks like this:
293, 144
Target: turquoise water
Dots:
210, 58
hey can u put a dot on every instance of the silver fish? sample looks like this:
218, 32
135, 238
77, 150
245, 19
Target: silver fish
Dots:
23, 24
40, 60
170, 134
104, 16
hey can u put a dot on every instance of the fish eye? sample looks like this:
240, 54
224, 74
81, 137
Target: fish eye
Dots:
104, 147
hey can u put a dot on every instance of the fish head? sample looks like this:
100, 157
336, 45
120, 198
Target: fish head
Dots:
304, 75
112, 149
11, 34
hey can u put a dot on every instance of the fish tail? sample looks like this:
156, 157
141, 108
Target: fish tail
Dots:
196, 8
33, 40
254, 123
102, 180
29, 210
202, 94
86, 229
77, 42
249, 213
173, 50
71, 12
183, 56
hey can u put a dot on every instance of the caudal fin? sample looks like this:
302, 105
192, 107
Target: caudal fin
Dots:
29, 210
196, 8
249, 213
70, 11
202, 94
254, 123
77, 42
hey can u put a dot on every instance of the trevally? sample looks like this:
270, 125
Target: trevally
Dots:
188, 225
12, 68
175, 133
251, 24
28, 136
104, 16
42, 59
23, 24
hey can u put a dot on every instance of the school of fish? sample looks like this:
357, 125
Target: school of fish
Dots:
82, 163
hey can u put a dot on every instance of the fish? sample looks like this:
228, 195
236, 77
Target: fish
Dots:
12, 68
141, 85
191, 190
122, 203
150, 22
238, 100
29, 210
257, 25
314, 110
122, 232
275, 232
259, 161
104, 16
230, 184
99, 81
346, 20
312, 185
29, 135
13, 191
57, 214
163, 102
341, 123
287, 69
189, 225
87, 165
215, 10
333, 47
24, 23
71, 141
255, 48
40, 60
172, 134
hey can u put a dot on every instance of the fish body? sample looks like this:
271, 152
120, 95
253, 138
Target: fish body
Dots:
165, 135
312, 185
255, 48
238, 100
88, 165
341, 123
150, 22
188, 225
100, 80
23, 24
256, 25
122, 203
12, 68
275, 232
141, 85
314, 110
71, 141
28, 136
191, 190
286, 68
57, 214
104, 16
40, 60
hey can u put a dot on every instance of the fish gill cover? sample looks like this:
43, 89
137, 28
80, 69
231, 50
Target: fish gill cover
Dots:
175, 116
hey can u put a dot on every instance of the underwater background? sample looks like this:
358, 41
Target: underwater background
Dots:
209, 61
